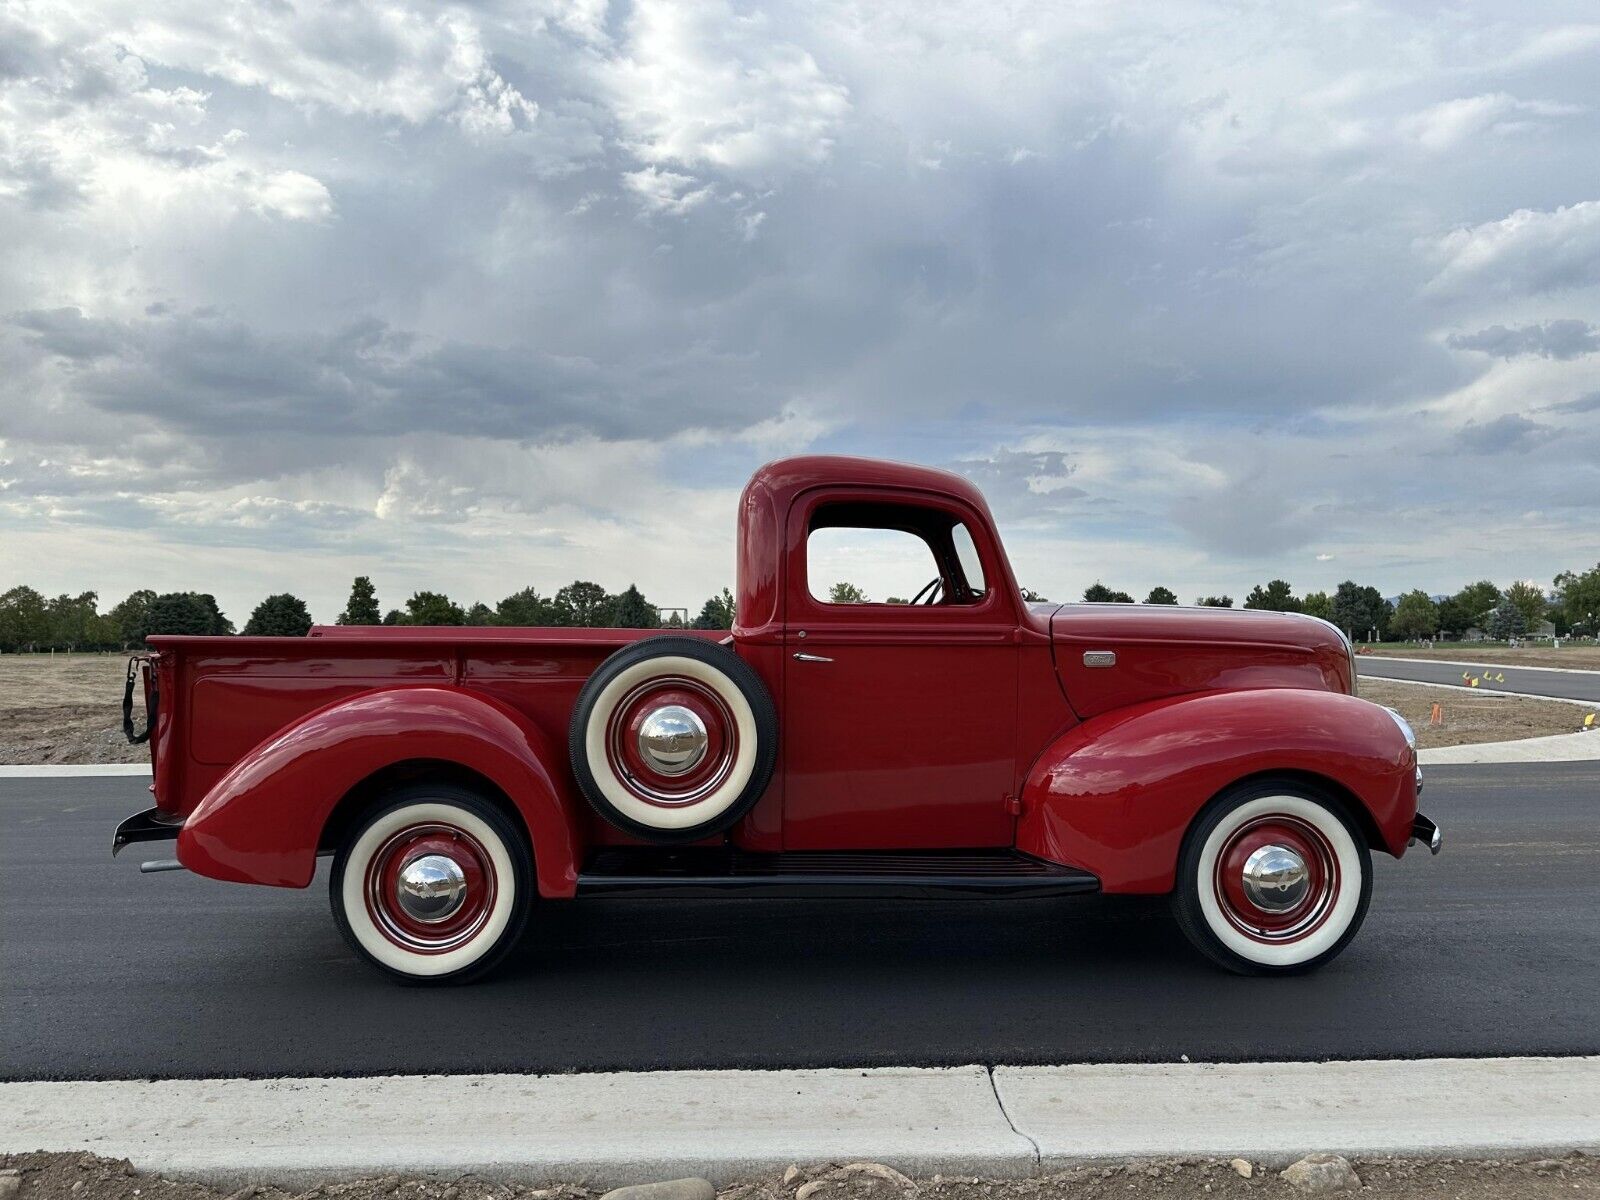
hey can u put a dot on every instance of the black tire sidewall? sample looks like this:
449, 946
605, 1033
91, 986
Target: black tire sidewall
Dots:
513, 838
738, 672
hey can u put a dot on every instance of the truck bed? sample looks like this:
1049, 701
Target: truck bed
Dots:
220, 697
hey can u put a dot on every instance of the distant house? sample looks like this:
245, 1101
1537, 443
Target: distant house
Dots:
1544, 629
1474, 634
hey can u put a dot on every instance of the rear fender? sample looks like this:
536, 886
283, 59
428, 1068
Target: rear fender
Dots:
263, 820
1115, 794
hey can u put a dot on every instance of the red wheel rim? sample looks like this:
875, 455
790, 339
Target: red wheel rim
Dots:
1306, 915
638, 774
457, 927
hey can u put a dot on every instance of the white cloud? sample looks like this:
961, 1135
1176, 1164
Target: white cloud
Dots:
1448, 125
1530, 251
707, 85
665, 191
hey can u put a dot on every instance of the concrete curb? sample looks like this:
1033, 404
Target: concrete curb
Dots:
612, 1129
72, 770
605, 1130
1560, 747
1277, 1112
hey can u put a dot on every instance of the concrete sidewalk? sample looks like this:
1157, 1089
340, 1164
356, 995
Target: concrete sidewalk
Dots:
610, 1129
1560, 747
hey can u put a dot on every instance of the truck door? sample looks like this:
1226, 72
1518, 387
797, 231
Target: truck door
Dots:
899, 707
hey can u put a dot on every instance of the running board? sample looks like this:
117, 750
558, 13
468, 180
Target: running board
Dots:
826, 874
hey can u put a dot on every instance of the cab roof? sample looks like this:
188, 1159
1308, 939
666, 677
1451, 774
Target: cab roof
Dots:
786, 478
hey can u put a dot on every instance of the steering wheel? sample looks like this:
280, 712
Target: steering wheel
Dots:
930, 590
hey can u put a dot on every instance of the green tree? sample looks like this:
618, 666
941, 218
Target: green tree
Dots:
73, 620
1506, 620
132, 618
583, 603
715, 613
480, 614
631, 610
395, 617
220, 625
1215, 602
1318, 604
281, 615
1580, 597
1454, 619
1099, 593
1277, 596
193, 613
1530, 599
433, 608
846, 593
1477, 599
24, 619
1556, 613
1360, 611
1161, 595
525, 608
362, 607
1415, 616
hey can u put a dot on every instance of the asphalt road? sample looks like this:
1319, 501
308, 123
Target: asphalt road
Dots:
1493, 948
1574, 685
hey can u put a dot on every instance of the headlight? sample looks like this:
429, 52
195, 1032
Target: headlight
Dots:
1405, 726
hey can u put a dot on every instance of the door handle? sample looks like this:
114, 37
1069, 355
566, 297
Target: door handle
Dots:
811, 658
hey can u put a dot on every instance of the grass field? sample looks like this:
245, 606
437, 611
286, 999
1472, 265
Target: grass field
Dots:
1574, 656
67, 708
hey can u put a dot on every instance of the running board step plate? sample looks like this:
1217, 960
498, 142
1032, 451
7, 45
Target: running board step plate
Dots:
829, 874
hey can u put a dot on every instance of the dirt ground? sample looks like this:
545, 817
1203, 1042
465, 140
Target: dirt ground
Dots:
67, 708
77, 1176
1571, 656
1469, 716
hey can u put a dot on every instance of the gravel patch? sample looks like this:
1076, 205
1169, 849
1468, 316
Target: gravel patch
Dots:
78, 1176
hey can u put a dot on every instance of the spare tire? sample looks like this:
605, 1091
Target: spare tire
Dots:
673, 739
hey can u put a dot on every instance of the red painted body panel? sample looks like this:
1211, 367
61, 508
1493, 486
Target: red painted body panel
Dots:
262, 822
1170, 651
1116, 794
905, 738
925, 730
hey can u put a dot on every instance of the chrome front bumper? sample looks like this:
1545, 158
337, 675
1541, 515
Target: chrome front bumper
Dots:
1426, 832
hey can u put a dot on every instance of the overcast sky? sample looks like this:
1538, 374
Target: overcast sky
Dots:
480, 296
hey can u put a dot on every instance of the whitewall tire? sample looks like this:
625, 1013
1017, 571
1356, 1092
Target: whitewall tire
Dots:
673, 739
433, 884
1273, 878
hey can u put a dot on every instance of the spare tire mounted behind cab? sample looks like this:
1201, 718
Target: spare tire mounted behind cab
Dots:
673, 739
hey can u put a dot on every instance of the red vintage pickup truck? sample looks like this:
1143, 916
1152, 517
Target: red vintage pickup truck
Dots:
965, 743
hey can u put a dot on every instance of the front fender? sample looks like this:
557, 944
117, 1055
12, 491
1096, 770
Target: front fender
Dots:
1115, 794
262, 821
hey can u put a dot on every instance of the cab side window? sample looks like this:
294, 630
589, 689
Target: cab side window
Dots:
884, 554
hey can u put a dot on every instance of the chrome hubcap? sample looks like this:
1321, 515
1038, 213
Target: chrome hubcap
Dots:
672, 739
431, 888
1276, 879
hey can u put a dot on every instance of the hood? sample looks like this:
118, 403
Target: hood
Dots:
1113, 655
